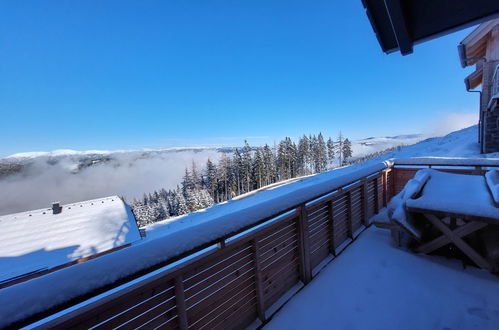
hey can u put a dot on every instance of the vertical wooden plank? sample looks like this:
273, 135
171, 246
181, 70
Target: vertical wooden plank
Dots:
305, 269
349, 214
376, 194
385, 188
180, 300
260, 302
330, 211
364, 204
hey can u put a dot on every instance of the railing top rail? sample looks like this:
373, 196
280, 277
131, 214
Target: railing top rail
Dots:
448, 161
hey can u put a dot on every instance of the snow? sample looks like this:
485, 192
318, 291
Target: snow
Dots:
168, 239
456, 193
443, 161
39, 240
70, 152
492, 179
174, 236
396, 207
462, 143
373, 285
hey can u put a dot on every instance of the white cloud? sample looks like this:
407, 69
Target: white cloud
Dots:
126, 174
450, 122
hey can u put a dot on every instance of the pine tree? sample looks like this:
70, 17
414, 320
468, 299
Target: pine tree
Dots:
330, 151
339, 148
258, 170
269, 163
347, 150
246, 167
182, 207
211, 180
304, 155
238, 171
321, 164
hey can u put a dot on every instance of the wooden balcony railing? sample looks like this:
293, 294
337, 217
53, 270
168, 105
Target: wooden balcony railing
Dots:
248, 275
245, 277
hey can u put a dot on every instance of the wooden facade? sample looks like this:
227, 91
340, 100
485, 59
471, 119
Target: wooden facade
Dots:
481, 48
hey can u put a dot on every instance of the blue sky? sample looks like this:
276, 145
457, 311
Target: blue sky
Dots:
136, 74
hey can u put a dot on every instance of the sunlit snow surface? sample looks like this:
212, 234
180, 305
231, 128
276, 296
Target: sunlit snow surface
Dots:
373, 285
39, 240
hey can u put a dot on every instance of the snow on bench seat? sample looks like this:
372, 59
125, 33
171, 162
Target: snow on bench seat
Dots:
457, 194
397, 206
492, 179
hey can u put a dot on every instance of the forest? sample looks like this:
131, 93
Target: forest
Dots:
247, 169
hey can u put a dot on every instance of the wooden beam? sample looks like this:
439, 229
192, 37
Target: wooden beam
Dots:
305, 268
180, 301
260, 301
332, 243
349, 215
458, 241
399, 27
462, 231
365, 218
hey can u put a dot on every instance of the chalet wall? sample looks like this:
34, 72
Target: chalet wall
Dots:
491, 130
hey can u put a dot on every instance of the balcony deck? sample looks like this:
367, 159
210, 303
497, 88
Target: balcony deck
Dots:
373, 285
280, 241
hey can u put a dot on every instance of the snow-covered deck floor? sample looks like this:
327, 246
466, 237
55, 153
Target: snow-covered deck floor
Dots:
373, 285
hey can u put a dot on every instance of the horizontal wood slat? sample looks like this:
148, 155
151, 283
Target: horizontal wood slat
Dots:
232, 286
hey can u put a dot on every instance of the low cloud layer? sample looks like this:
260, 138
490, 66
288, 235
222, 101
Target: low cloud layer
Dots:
125, 174
451, 122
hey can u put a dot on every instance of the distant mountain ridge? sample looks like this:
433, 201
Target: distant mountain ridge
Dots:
77, 160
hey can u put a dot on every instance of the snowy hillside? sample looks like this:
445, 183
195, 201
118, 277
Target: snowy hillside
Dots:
462, 143
374, 144
71, 176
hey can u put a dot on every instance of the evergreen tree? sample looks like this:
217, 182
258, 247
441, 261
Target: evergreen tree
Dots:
237, 172
181, 207
246, 167
304, 156
321, 164
330, 150
211, 180
339, 148
258, 170
347, 150
269, 163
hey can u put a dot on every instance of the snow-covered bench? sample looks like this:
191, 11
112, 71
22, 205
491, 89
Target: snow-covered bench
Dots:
457, 205
395, 216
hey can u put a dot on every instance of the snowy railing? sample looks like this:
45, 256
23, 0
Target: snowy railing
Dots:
404, 169
245, 276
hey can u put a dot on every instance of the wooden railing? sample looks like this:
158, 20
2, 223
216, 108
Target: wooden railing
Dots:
404, 170
247, 276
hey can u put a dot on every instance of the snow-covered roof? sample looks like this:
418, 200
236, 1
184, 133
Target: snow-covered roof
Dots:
39, 240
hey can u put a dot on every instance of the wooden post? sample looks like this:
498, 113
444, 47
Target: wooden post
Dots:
180, 300
376, 194
459, 242
332, 244
364, 203
385, 188
260, 302
305, 269
349, 214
